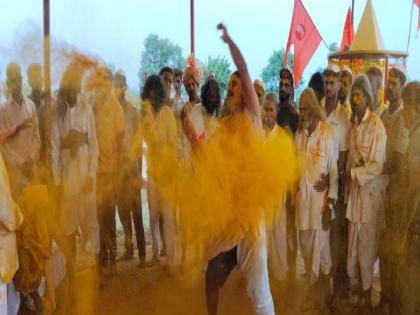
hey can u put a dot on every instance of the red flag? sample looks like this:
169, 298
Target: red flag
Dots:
305, 38
348, 33
417, 2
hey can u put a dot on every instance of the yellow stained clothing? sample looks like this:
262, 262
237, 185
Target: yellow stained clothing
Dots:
109, 124
10, 220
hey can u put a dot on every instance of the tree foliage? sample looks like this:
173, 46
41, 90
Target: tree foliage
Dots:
270, 73
333, 47
157, 53
222, 69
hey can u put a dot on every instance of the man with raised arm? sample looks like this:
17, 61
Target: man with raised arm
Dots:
228, 251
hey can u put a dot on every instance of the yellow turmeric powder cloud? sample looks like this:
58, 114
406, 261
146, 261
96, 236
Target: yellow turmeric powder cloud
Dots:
224, 188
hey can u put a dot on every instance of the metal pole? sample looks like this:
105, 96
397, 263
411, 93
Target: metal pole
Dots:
47, 79
352, 12
411, 20
192, 25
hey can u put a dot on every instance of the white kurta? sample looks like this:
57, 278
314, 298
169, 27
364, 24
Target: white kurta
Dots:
10, 219
24, 145
366, 158
317, 152
78, 208
318, 156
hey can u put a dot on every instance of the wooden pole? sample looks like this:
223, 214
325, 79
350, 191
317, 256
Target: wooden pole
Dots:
386, 76
192, 25
47, 80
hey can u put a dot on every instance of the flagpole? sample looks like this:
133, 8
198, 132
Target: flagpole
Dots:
352, 12
192, 25
411, 20
47, 78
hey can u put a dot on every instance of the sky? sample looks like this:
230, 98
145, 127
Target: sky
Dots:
115, 30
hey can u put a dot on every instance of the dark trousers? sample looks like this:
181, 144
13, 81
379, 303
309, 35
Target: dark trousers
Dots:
291, 232
339, 245
389, 261
132, 212
106, 218
410, 277
217, 272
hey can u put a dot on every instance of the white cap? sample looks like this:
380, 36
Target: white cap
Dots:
332, 67
401, 68
259, 83
346, 68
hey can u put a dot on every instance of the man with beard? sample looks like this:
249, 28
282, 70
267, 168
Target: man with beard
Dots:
346, 77
129, 200
397, 142
375, 76
364, 167
315, 145
287, 116
20, 133
209, 106
338, 120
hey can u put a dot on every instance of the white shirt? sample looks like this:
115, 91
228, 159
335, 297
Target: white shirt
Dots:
26, 143
339, 123
394, 126
366, 159
318, 156
68, 172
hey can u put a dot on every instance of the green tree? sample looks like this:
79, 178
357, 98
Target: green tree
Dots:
333, 47
270, 73
157, 53
221, 68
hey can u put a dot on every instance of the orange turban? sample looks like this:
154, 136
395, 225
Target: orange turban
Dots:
192, 70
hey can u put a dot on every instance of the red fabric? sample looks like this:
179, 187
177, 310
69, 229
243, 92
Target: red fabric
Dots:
348, 33
417, 3
305, 38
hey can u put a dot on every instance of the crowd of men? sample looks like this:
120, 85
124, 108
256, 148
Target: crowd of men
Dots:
356, 198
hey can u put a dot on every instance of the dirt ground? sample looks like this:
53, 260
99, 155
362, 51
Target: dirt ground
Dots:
153, 291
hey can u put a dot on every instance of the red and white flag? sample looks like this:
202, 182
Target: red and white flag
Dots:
305, 38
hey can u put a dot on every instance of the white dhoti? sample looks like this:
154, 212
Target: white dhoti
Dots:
252, 261
277, 247
158, 207
80, 210
9, 299
362, 253
315, 249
